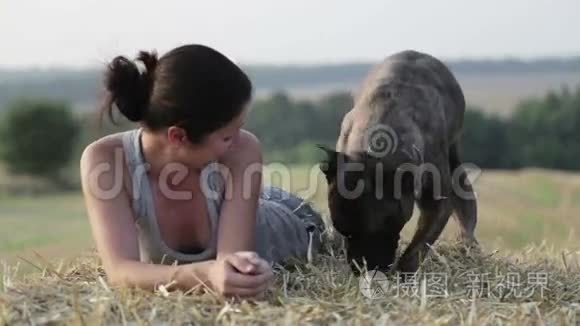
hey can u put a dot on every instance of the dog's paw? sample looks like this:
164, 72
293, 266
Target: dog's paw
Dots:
407, 264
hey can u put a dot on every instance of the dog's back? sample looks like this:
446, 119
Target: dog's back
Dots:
413, 93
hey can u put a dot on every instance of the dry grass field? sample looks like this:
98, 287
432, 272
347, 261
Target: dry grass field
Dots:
530, 256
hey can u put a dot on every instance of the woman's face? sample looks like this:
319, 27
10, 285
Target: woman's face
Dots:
220, 141
215, 145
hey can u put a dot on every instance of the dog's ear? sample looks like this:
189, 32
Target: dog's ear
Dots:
328, 165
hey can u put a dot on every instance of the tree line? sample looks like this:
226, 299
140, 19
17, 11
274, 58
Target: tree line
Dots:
542, 132
44, 138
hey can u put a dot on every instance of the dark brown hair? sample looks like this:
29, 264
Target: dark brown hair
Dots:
192, 86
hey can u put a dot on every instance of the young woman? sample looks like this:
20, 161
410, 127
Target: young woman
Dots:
180, 199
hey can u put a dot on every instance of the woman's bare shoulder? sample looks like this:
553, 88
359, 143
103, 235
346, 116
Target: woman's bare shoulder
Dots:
106, 153
103, 149
103, 163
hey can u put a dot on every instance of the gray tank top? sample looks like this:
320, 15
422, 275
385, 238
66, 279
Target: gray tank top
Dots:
286, 226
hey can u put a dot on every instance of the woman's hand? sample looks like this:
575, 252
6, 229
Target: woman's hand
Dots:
241, 274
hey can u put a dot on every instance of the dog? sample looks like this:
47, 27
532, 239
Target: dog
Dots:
399, 146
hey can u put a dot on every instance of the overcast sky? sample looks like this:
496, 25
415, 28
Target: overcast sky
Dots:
89, 32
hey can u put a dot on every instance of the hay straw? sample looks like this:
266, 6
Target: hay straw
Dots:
321, 292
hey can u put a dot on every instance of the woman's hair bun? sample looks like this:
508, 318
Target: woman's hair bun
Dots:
129, 88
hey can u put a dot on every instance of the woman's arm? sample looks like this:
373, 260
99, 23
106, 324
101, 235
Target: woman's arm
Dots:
243, 185
113, 228
112, 222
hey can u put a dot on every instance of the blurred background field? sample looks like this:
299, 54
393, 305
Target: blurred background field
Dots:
518, 68
529, 192
516, 209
